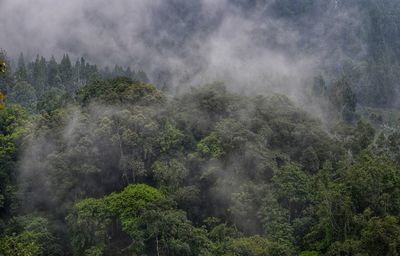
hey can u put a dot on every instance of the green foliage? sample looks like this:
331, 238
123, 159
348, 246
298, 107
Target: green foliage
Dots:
170, 138
309, 253
50, 100
34, 239
356, 138
256, 246
391, 145
276, 221
170, 174
120, 169
85, 148
120, 90
144, 215
23, 94
374, 184
292, 189
246, 201
18, 246
88, 223
382, 236
347, 247
211, 146
12, 122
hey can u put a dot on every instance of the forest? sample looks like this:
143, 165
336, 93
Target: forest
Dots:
105, 159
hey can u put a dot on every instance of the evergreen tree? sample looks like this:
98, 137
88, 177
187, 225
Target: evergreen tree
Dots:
21, 74
66, 74
39, 75
53, 76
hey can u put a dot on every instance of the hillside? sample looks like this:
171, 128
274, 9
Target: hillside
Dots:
185, 128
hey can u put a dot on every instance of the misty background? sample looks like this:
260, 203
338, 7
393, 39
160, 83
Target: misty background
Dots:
250, 45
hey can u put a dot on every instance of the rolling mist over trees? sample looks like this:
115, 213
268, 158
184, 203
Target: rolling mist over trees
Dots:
250, 45
210, 127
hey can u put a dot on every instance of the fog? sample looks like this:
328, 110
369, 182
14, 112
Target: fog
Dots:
245, 44
253, 47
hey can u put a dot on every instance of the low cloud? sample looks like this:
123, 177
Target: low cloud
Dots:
248, 46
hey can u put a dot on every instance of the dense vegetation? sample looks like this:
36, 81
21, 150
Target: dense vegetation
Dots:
120, 168
44, 84
99, 162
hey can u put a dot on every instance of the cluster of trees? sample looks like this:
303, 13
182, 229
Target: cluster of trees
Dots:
123, 169
99, 162
42, 85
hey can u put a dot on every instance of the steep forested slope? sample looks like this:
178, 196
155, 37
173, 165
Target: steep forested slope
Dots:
123, 168
99, 161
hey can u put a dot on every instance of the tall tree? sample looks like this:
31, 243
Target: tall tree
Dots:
66, 73
53, 75
21, 72
39, 75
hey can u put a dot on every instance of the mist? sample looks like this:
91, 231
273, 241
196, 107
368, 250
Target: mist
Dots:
249, 46
199, 127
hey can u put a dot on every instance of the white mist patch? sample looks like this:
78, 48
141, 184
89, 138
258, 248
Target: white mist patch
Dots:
183, 43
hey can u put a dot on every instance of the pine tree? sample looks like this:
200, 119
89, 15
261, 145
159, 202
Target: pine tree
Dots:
76, 74
39, 75
66, 73
21, 74
53, 76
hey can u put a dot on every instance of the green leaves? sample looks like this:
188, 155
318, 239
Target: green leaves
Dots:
278, 181
374, 183
12, 121
211, 146
170, 174
256, 246
170, 138
24, 94
90, 219
382, 236
120, 90
33, 239
143, 214
18, 246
